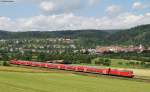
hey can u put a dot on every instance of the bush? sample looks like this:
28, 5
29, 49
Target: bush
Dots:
127, 63
132, 63
137, 63
97, 62
67, 62
5, 63
142, 63
105, 61
1, 63
120, 63
147, 65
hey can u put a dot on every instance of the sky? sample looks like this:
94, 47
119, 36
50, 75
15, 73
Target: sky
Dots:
53, 15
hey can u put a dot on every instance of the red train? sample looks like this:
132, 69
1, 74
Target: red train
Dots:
86, 69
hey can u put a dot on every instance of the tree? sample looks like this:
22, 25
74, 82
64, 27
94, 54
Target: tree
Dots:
147, 65
41, 57
142, 63
107, 62
5, 63
5, 57
120, 63
96, 61
104, 61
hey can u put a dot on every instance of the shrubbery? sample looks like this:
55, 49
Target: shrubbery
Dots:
102, 61
144, 56
5, 63
120, 63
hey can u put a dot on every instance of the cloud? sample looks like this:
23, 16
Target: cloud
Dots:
93, 2
59, 16
47, 6
139, 5
147, 14
63, 6
6, 23
69, 21
113, 9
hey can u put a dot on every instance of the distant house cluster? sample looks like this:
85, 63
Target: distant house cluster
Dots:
51, 45
117, 49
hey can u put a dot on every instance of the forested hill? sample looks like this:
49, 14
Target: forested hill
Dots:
53, 34
136, 35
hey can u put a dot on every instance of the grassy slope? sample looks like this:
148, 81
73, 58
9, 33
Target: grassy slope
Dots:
64, 82
114, 63
137, 70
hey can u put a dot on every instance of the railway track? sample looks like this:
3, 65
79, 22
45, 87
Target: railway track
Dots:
136, 78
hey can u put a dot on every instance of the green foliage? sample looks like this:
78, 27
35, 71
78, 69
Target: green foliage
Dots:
43, 57
69, 57
142, 63
147, 65
90, 38
102, 61
1, 63
145, 56
59, 34
96, 62
135, 36
67, 62
5, 63
120, 63
106, 62
131, 63
26, 56
5, 57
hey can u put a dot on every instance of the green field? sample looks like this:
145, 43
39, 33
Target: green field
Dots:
140, 72
13, 79
115, 63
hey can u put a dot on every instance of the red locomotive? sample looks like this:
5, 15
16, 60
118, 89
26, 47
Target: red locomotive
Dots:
86, 69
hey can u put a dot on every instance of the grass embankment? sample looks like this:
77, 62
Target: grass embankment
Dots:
26, 81
20, 69
122, 63
138, 71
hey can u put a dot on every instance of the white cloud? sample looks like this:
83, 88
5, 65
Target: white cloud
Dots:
93, 2
63, 6
147, 14
6, 23
113, 9
72, 22
139, 5
47, 6
60, 17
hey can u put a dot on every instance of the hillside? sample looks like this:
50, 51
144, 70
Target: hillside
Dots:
136, 35
54, 34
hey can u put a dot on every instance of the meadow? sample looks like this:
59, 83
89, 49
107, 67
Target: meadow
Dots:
17, 79
138, 71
